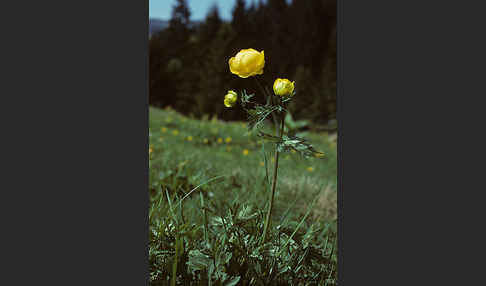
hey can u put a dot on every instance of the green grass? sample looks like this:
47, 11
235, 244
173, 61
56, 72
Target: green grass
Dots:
225, 191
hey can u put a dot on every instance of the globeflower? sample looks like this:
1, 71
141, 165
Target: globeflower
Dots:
247, 62
283, 87
230, 99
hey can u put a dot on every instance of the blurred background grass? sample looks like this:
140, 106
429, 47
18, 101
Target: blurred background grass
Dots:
186, 152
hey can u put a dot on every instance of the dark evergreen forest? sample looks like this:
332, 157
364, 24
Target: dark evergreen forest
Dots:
188, 65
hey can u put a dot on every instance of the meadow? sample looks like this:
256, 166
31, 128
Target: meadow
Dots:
209, 187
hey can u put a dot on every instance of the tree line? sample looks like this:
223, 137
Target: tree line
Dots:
188, 64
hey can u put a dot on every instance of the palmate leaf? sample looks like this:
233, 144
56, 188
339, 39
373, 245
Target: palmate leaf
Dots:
292, 142
298, 144
257, 115
245, 98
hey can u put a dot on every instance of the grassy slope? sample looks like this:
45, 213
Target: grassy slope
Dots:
179, 163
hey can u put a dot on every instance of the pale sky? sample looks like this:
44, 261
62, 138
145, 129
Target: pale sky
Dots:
162, 9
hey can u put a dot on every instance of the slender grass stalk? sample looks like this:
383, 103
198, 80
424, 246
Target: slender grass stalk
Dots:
274, 183
205, 218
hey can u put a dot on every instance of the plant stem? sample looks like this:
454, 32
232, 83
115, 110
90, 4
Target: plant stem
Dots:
274, 182
268, 96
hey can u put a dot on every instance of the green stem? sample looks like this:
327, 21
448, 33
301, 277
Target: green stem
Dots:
274, 182
269, 96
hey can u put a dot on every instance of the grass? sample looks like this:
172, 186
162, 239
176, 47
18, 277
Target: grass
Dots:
209, 189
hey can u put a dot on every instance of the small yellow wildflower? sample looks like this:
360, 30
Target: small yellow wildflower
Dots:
175, 132
151, 150
310, 169
262, 164
228, 139
247, 62
164, 129
220, 140
245, 152
205, 140
273, 159
283, 87
319, 155
189, 138
230, 99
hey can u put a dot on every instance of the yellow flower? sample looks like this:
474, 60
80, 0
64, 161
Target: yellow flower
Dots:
175, 132
245, 152
319, 155
310, 169
164, 129
247, 62
151, 150
205, 140
230, 99
262, 164
283, 87
220, 140
189, 138
228, 139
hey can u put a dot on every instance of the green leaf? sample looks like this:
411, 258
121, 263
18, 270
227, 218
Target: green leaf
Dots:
233, 281
298, 144
257, 115
198, 261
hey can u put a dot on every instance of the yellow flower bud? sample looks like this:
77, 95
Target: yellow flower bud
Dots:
283, 87
228, 139
230, 99
310, 169
247, 62
245, 152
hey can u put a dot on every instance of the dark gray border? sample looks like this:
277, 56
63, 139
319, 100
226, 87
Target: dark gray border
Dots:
408, 75
76, 173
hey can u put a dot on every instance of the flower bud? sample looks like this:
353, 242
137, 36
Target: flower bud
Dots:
283, 87
230, 99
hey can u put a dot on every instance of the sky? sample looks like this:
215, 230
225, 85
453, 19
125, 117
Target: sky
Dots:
162, 9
